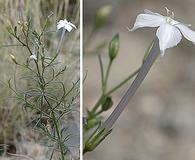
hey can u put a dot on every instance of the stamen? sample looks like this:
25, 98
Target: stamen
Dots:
172, 14
168, 11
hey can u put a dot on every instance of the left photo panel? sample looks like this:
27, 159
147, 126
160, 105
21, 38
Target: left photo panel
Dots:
39, 79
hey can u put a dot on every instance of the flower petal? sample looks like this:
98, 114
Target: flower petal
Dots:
169, 36
72, 25
60, 24
187, 32
149, 19
68, 27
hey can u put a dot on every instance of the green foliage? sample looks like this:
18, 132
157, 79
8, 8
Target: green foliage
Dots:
45, 91
46, 94
107, 104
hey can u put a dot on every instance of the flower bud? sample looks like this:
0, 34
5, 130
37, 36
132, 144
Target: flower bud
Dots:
107, 104
15, 30
92, 123
13, 58
114, 47
97, 137
102, 15
25, 26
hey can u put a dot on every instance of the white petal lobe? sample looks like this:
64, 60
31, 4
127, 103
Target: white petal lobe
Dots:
187, 32
148, 20
60, 24
68, 27
169, 36
72, 25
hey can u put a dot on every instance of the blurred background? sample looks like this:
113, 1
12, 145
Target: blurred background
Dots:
159, 122
16, 133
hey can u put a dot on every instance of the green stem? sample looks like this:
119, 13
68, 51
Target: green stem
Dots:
104, 83
42, 85
99, 112
56, 127
96, 106
123, 82
98, 103
101, 70
106, 77
28, 48
152, 56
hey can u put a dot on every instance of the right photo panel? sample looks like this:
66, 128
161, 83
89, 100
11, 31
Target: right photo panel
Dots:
139, 80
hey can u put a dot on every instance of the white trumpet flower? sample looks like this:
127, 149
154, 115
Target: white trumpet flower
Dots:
33, 57
169, 32
66, 25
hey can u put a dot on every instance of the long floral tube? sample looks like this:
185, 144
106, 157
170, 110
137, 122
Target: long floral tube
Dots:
154, 52
60, 42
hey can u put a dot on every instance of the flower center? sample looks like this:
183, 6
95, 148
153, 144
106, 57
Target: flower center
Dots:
171, 21
170, 16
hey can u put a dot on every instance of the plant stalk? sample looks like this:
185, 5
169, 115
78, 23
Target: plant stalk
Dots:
154, 52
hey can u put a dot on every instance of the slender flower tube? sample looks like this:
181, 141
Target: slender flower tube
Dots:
153, 54
169, 32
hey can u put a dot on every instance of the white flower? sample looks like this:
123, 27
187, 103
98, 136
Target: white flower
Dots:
65, 24
169, 32
33, 57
